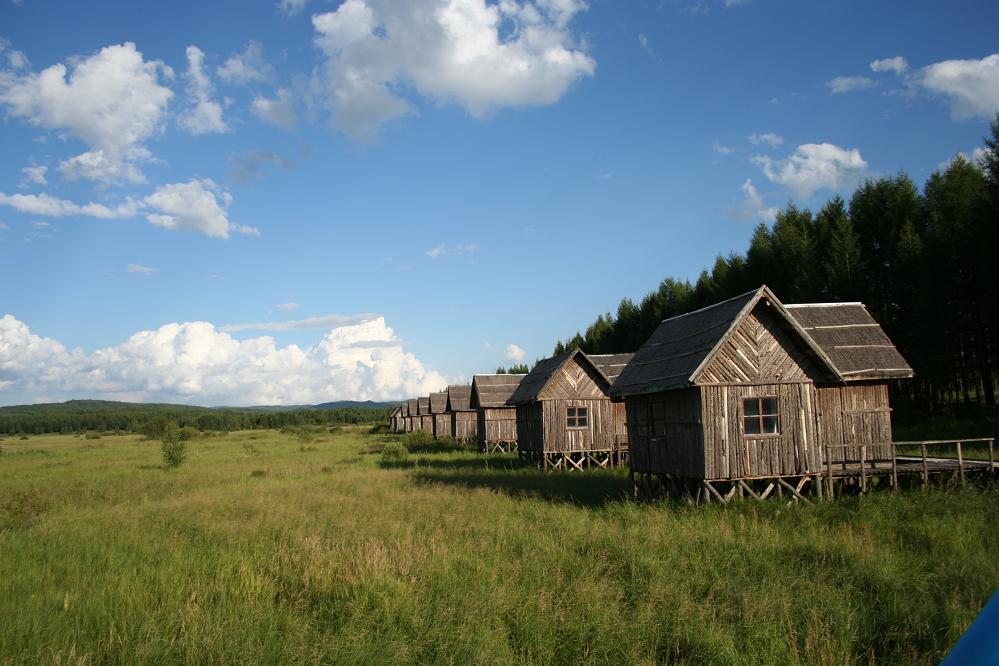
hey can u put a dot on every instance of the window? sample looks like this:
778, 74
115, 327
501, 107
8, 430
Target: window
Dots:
577, 417
759, 416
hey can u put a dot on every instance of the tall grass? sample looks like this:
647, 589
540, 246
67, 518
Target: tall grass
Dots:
453, 557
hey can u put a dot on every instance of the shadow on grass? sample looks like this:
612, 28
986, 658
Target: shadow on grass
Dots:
453, 464
590, 489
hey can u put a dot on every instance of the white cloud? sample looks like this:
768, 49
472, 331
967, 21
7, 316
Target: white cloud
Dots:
292, 7
142, 270
205, 114
752, 208
34, 175
44, 204
325, 321
279, 110
196, 363
443, 250
478, 55
769, 138
646, 46
40, 225
972, 85
15, 59
245, 167
246, 67
112, 101
814, 166
287, 307
514, 354
897, 65
842, 84
722, 150
197, 205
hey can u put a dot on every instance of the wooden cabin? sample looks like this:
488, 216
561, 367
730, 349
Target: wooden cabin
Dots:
412, 415
395, 417
496, 420
749, 390
425, 419
441, 420
464, 419
565, 419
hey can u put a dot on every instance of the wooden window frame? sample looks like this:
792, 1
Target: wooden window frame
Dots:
759, 417
572, 415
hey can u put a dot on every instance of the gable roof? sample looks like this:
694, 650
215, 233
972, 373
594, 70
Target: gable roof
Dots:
438, 402
855, 343
411, 407
682, 346
493, 390
395, 411
458, 397
536, 380
423, 405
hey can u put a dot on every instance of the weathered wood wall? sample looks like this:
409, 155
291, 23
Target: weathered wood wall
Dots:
665, 434
497, 424
465, 425
427, 423
855, 414
442, 425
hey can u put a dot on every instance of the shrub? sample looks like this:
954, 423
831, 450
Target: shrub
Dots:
23, 508
187, 433
258, 472
418, 439
92, 435
174, 448
394, 452
24, 437
156, 427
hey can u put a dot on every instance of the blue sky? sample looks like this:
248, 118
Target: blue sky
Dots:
370, 199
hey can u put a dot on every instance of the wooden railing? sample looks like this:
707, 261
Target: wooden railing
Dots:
867, 466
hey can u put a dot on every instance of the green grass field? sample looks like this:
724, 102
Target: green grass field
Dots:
265, 548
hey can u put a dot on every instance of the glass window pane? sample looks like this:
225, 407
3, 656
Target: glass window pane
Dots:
570, 422
751, 406
751, 425
770, 406
770, 424
582, 411
582, 422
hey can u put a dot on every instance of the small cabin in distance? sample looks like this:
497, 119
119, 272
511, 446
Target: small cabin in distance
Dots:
439, 416
412, 418
742, 395
565, 419
464, 419
395, 418
425, 419
497, 420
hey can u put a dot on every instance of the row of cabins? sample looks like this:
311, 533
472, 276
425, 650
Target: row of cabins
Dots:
717, 400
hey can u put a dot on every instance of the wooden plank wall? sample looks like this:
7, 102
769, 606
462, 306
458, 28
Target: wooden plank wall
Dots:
729, 454
442, 425
665, 434
427, 423
497, 424
856, 414
530, 427
465, 425
597, 436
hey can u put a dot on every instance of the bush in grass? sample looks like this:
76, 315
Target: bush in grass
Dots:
174, 448
92, 435
187, 433
24, 437
155, 427
418, 439
394, 453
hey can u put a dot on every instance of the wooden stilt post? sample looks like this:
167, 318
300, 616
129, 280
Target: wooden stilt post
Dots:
829, 472
992, 459
926, 471
960, 463
863, 472
894, 470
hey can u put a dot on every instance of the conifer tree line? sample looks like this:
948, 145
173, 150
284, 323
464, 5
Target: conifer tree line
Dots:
923, 261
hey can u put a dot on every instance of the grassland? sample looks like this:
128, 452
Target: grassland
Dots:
263, 547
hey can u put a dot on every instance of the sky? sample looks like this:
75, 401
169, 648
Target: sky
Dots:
286, 203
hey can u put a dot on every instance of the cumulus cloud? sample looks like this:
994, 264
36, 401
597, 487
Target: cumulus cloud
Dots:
814, 166
722, 149
45, 204
279, 110
205, 114
325, 321
292, 7
971, 85
514, 354
287, 307
245, 167
140, 269
34, 175
752, 208
196, 363
442, 250
250, 66
197, 205
898, 65
769, 138
15, 59
842, 84
112, 101
468, 52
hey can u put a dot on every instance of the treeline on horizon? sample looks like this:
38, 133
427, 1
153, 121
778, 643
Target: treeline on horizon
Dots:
923, 262
102, 416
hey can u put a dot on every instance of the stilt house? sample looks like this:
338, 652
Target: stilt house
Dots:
565, 419
412, 415
464, 419
497, 420
438, 411
423, 412
395, 418
748, 389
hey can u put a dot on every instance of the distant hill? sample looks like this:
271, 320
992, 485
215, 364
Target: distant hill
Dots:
112, 405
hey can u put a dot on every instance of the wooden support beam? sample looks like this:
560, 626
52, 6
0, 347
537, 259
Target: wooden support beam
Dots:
960, 462
711, 488
796, 492
926, 470
766, 493
749, 490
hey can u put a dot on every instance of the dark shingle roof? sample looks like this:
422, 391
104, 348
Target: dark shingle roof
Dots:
611, 365
545, 369
438, 402
853, 341
493, 390
411, 407
423, 405
458, 397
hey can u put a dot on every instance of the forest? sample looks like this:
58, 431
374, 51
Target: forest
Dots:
921, 260
110, 416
